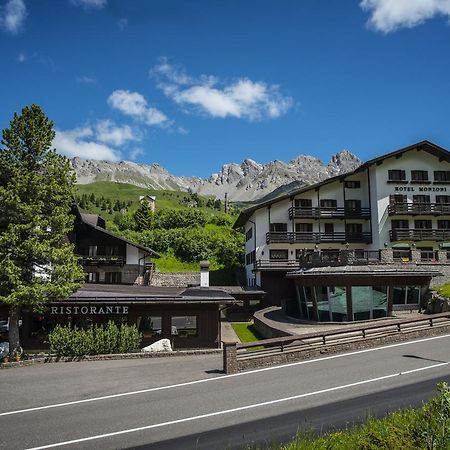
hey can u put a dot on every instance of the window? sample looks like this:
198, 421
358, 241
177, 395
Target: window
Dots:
398, 198
421, 199
113, 277
444, 224
353, 205
405, 295
353, 184
111, 251
303, 227
184, 326
278, 227
419, 175
329, 228
278, 254
249, 234
149, 326
92, 277
396, 175
442, 176
303, 253
328, 203
303, 203
400, 224
353, 228
250, 258
423, 224
442, 198
92, 251
427, 254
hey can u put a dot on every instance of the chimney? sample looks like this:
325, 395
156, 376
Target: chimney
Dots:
204, 273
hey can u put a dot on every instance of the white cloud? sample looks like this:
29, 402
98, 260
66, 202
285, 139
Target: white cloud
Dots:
80, 142
135, 105
12, 16
241, 98
21, 57
89, 4
390, 15
109, 133
86, 80
122, 23
135, 152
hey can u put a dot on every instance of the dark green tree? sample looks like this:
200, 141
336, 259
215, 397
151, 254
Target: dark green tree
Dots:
143, 216
37, 264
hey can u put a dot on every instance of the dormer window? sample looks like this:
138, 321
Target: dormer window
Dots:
396, 175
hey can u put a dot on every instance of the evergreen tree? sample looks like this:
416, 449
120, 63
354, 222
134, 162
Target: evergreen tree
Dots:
36, 262
143, 217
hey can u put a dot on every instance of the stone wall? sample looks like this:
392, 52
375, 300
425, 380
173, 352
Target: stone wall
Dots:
175, 279
266, 327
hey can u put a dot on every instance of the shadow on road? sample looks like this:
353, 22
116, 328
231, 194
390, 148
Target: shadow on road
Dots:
425, 359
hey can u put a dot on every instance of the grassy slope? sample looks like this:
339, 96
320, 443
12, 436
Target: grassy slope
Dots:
164, 200
245, 331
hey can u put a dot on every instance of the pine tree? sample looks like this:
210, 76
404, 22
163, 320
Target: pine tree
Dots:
143, 217
36, 184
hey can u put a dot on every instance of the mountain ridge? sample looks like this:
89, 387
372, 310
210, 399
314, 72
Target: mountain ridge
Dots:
245, 181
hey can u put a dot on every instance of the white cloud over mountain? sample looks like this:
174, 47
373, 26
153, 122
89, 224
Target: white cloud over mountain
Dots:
110, 133
81, 142
241, 98
135, 105
12, 16
390, 15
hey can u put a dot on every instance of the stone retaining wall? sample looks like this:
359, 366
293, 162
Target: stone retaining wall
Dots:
175, 279
268, 328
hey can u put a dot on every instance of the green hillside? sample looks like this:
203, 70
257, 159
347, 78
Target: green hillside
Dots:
184, 229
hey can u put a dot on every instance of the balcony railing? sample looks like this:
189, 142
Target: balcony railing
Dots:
419, 234
276, 264
328, 213
415, 209
274, 237
102, 260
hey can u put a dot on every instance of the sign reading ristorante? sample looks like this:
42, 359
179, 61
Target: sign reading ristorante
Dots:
91, 309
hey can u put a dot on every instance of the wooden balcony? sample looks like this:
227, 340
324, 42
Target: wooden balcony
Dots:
317, 238
329, 213
419, 234
417, 209
102, 260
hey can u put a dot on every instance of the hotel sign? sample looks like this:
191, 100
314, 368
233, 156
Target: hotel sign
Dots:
419, 189
88, 310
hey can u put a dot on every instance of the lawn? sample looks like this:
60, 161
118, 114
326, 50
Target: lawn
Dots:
246, 331
444, 290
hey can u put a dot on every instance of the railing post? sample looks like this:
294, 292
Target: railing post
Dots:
229, 357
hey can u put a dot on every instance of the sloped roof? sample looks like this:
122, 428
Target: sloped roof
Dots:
427, 146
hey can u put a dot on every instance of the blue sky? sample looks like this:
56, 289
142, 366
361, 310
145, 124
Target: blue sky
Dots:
196, 84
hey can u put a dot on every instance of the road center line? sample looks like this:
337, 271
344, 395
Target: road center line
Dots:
240, 408
208, 380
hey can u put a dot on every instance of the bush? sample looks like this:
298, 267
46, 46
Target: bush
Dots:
179, 218
96, 340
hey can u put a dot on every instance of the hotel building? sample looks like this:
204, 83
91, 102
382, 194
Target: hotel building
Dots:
356, 246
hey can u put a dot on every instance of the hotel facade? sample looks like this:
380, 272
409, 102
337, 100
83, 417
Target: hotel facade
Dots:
356, 246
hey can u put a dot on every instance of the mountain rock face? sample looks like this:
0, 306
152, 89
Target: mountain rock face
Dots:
248, 181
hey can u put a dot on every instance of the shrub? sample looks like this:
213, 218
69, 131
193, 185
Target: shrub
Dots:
96, 340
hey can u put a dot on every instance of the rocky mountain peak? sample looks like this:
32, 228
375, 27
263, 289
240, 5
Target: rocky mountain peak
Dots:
245, 181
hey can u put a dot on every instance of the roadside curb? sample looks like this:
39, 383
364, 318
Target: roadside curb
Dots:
112, 357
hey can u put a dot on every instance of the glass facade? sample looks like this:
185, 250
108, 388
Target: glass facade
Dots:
367, 302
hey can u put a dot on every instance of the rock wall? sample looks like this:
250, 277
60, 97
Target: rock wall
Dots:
176, 279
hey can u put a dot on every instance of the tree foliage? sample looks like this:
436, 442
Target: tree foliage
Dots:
36, 261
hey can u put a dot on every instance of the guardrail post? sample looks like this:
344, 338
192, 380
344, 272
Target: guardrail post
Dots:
399, 328
431, 322
229, 357
364, 333
324, 339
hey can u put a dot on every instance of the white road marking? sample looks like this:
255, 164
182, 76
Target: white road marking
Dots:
240, 408
209, 380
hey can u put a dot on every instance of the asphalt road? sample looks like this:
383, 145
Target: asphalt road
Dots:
185, 403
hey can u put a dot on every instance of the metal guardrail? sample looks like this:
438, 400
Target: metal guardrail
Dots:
267, 347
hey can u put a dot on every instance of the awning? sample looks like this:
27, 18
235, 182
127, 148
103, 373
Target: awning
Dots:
445, 245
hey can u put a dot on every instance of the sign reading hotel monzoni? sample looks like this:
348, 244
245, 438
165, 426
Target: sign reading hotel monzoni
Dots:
91, 310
